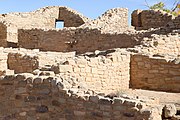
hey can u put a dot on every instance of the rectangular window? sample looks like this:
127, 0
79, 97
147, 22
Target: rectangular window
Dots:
59, 24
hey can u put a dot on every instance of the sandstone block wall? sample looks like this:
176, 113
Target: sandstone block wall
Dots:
113, 20
150, 19
80, 40
163, 45
25, 97
3, 35
103, 74
41, 18
154, 74
3, 63
22, 63
71, 18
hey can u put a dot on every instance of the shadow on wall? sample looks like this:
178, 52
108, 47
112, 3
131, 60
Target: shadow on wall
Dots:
80, 40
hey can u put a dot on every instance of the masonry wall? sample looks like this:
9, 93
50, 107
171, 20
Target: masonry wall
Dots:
42, 18
24, 97
163, 45
3, 35
71, 18
154, 74
150, 19
103, 74
106, 71
80, 40
113, 20
3, 62
22, 63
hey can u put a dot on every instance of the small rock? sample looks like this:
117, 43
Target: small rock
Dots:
169, 110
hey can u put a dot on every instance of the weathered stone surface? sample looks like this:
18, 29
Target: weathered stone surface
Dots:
169, 110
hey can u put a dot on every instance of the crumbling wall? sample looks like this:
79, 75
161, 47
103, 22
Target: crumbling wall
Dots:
3, 35
105, 73
162, 45
42, 18
35, 97
111, 21
21, 63
3, 62
71, 18
70, 39
154, 73
150, 19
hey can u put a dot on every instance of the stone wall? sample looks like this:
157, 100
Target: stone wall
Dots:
113, 20
3, 35
42, 18
3, 62
159, 44
150, 19
22, 63
71, 17
155, 73
106, 73
80, 40
103, 71
27, 97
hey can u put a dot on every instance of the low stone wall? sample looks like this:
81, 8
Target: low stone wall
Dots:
150, 19
22, 63
80, 40
27, 97
154, 73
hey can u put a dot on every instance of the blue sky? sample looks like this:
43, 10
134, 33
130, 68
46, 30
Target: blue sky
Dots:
89, 8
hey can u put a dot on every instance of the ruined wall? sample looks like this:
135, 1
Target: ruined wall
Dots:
71, 18
107, 72
3, 35
150, 19
103, 74
80, 40
154, 73
27, 97
162, 45
3, 62
22, 63
113, 20
42, 18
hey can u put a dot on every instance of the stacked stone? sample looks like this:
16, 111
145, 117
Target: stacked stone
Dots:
155, 73
103, 74
25, 96
3, 62
3, 34
22, 63
151, 18
113, 20
166, 45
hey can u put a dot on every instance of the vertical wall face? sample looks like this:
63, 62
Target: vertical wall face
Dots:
22, 63
70, 17
102, 74
111, 21
24, 98
3, 62
150, 19
154, 74
3, 35
79, 40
